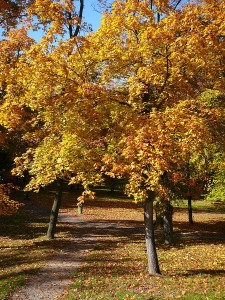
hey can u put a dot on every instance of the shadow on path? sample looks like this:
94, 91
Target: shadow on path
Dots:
52, 281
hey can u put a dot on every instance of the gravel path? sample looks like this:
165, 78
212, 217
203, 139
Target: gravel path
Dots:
52, 281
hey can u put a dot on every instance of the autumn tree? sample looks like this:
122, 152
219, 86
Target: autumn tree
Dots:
157, 71
49, 85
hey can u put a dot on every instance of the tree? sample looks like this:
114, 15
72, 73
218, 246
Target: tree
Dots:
45, 127
157, 71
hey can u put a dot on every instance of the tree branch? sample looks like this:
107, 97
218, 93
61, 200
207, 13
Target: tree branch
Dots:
80, 18
175, 7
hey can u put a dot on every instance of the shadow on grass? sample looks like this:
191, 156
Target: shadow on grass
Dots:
23, 243
22, 226
189, 273
18, 273
111, 203
215, 209
18, 254
203, 227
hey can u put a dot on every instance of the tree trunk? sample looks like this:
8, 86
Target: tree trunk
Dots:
153, 265
168, 224
190, 217
158, 220
55, 210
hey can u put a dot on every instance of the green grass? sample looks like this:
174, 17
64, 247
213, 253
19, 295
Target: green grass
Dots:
210, 295
205, 205
9, 285
96, 289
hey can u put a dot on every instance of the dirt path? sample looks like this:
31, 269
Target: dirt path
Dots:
52, 281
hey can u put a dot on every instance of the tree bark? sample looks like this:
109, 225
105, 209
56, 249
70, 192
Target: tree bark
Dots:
153, 265
55, 210
159, 220
168, 224
190, 215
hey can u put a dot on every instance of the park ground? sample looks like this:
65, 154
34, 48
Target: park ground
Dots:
116, 267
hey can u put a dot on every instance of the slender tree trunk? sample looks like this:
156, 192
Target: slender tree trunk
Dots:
159, 220
153, 265
25, 182
55, 210
190, 216
168, 224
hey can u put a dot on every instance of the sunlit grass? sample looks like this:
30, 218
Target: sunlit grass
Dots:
191, 268
201, 205
120, 273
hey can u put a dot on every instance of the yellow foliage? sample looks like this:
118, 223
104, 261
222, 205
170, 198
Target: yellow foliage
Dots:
123, 100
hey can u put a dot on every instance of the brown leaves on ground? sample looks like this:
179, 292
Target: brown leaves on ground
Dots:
193, 267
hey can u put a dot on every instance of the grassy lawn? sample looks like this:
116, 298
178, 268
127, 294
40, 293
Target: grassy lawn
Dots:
201, 205
193, 268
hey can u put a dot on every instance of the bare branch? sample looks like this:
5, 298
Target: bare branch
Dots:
80, 18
